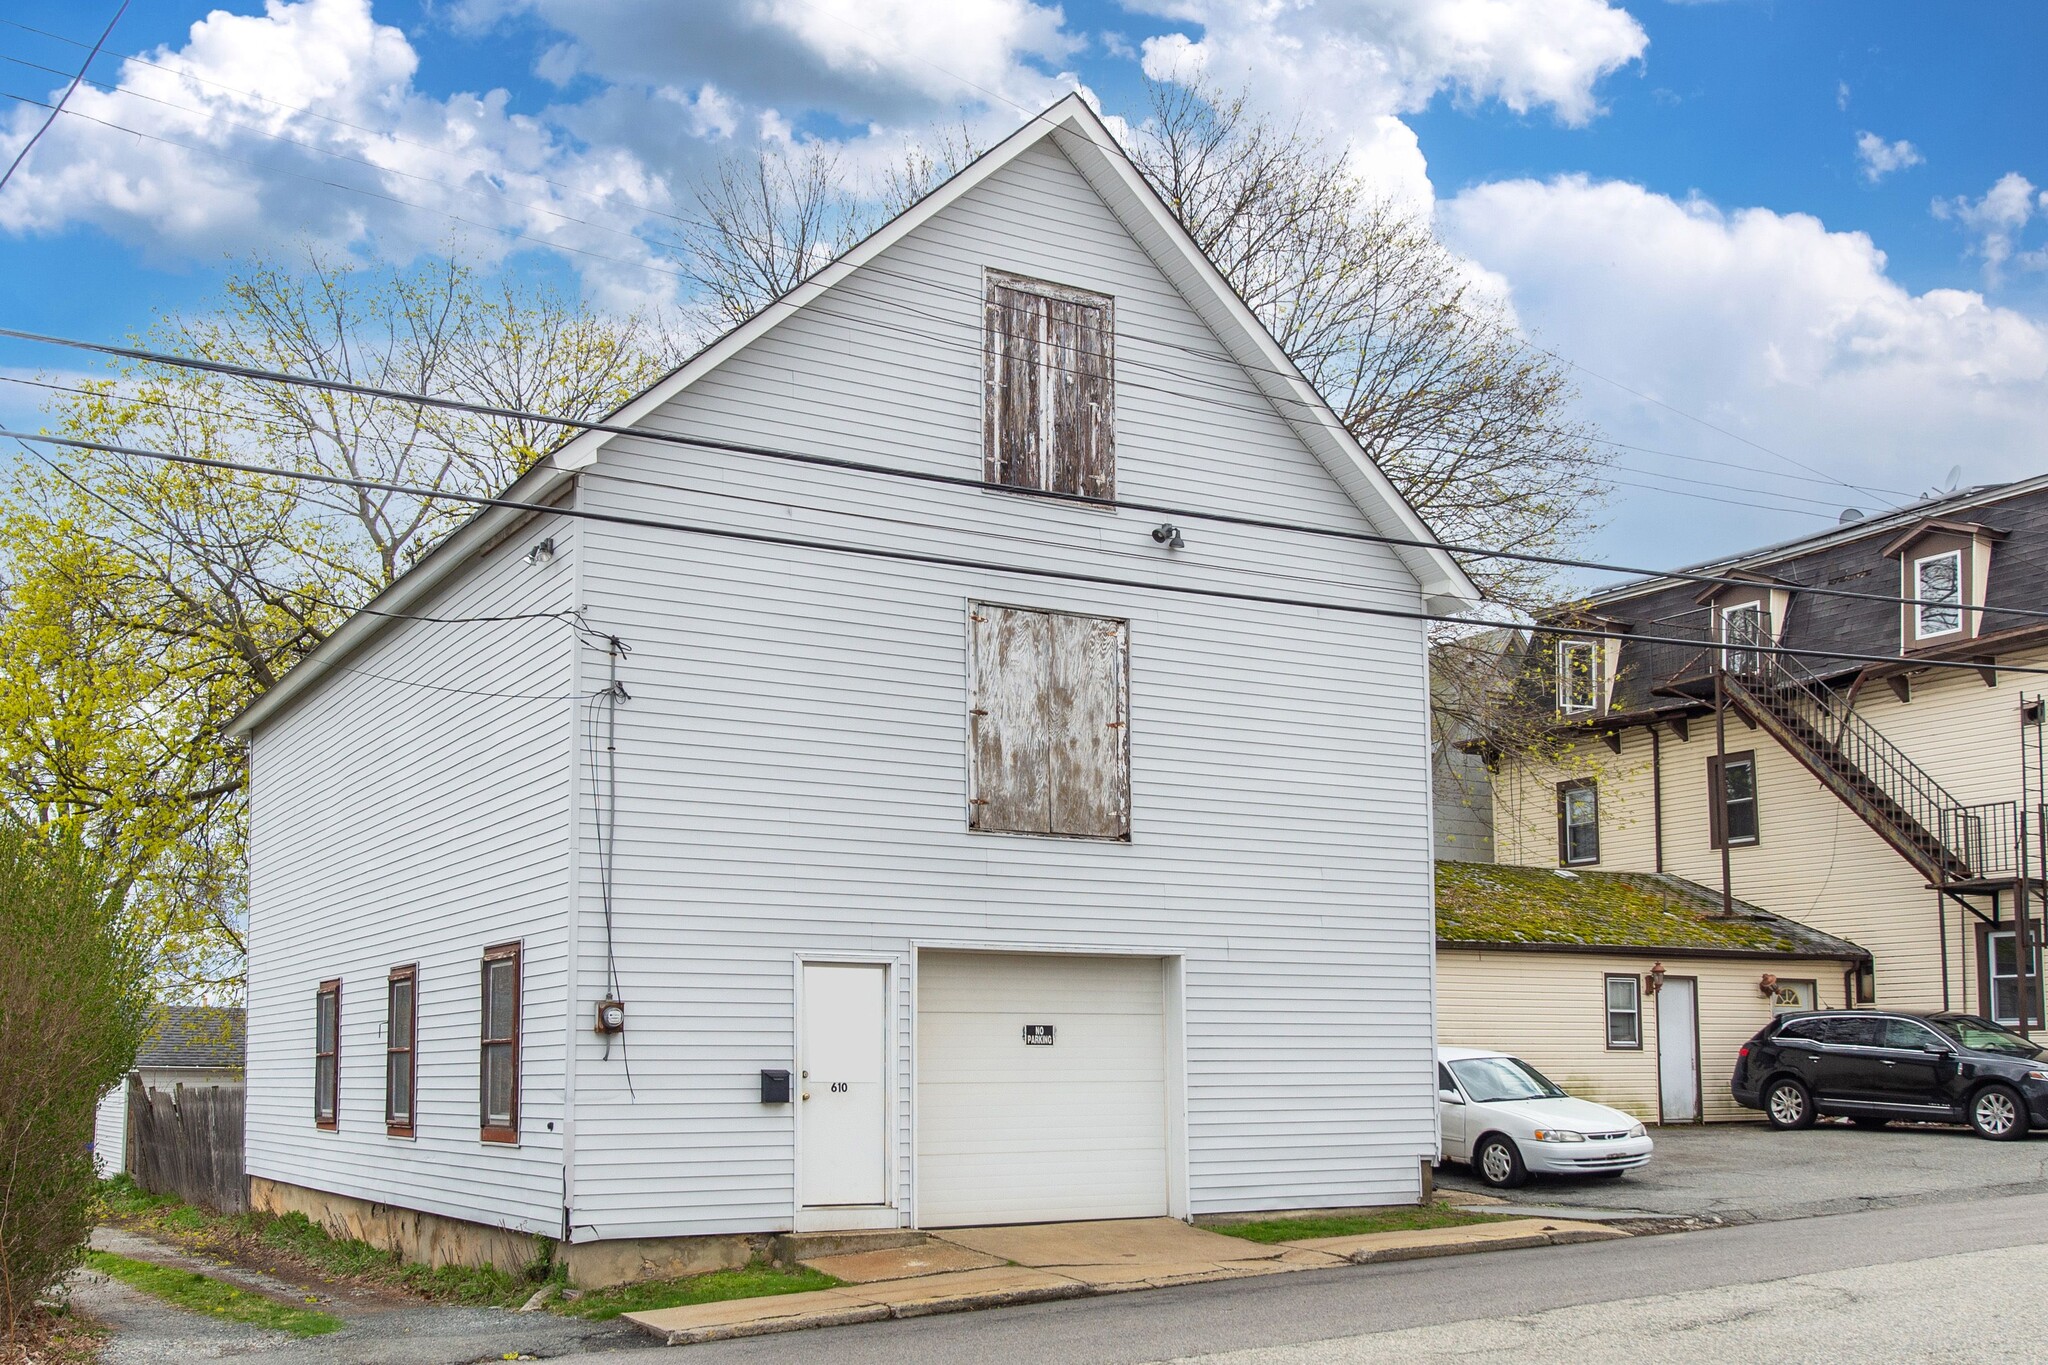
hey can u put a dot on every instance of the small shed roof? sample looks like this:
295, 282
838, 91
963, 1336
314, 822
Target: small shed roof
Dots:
210, 1036
1501, 905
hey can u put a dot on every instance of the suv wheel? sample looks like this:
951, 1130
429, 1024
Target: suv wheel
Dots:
1499, 1164
1997, 1113
1788, 1105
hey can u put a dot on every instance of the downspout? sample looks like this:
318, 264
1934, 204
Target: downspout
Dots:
572, 915
1657, 795
1720, 796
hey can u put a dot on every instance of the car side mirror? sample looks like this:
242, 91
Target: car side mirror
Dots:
1450, 1097
1938, 1050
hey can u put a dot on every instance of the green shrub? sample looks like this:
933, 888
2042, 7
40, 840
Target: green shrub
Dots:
74, 1001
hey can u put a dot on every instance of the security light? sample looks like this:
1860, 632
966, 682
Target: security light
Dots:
1167, 534
541, 553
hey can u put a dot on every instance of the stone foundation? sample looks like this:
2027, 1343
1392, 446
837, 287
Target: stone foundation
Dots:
435, 1240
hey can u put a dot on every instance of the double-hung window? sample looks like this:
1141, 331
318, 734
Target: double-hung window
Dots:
1732, 804
401, 1024
327, 1054
1938, 584
498, 1067
1050, 424
1624, 1012
1578, 682
1048, 723
2004, 982
1742, 632
1578, 822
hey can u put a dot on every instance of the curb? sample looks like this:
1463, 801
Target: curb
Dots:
970, 1303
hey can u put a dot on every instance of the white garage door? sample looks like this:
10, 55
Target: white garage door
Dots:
1010, 1131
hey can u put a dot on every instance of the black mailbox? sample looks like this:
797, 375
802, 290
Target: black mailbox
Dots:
775, 1087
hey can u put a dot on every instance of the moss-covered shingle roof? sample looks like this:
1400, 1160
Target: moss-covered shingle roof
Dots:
1497, 903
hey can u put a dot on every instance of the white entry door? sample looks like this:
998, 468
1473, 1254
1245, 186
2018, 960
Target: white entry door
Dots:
843, 1092
1041, 1088
1678, 1049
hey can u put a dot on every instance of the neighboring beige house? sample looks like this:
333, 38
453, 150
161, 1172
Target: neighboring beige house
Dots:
1883, 803
1631, 989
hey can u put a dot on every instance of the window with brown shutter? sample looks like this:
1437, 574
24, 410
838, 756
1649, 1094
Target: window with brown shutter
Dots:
1049, 722
401, 1024
498, 1065
327, 1054
1050, 424
1732, 815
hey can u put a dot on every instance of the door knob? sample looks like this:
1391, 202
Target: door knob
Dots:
807, 1094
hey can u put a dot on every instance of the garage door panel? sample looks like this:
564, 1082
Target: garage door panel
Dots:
1013, 1132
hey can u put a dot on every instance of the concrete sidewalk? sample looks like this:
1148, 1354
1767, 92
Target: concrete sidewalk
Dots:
971, 1268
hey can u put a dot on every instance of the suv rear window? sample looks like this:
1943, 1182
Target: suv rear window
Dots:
1812, 1030
1856, 1031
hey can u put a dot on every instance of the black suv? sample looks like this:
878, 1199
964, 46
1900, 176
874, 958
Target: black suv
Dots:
1872, 1067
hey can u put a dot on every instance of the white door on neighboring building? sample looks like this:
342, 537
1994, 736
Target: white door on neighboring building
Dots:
843, 1093
1041, 1088
1678, 1049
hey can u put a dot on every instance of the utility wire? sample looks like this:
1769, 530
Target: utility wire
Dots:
1817, 475
984, 566
932, 477
63, 99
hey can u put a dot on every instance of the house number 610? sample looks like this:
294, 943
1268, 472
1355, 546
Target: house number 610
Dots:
839, 1087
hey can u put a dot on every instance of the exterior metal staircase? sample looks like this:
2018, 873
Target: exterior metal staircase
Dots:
1953, 845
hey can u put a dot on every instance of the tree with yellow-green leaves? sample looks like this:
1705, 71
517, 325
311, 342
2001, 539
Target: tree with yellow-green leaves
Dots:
145, 602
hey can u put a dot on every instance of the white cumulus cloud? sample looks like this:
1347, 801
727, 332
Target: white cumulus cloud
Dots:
1768, 325
1881, 158
1996, 222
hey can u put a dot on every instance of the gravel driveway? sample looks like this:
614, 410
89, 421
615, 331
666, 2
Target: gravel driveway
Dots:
1747, 1172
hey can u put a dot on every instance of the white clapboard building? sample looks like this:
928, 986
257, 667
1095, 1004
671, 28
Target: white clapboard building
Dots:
1014, 872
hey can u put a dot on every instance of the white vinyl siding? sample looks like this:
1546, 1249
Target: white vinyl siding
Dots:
415, 808
794, 761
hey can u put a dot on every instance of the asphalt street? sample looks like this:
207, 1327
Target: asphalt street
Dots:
1926, 1282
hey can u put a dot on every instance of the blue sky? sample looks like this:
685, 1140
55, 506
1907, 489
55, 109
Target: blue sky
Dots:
1796, 251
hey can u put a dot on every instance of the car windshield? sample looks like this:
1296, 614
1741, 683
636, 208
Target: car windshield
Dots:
1985, 1036
1489, 1080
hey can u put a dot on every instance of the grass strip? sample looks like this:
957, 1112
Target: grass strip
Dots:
755, 1281
188, 1289
1417, 1219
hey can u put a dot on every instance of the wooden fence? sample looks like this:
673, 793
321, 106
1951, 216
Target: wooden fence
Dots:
188, 1142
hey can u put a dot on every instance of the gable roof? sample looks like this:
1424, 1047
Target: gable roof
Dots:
1079, 133
208, 1036
1496, 905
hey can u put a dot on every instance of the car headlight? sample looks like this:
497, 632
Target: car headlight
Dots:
1637, 1130
1558, 1135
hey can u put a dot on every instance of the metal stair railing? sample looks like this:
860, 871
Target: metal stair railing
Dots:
1949, 841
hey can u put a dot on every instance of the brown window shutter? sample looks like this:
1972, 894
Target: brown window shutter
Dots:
1090, 754
1717, 804
1011, 652
1015, 420
1083, 435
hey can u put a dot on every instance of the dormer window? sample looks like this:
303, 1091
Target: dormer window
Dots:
1944, 574
1578, 676
1938, 583
1050, 422
1743, 630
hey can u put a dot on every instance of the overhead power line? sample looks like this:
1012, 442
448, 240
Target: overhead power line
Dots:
63, 99
253, 373
975, 565
1814, 473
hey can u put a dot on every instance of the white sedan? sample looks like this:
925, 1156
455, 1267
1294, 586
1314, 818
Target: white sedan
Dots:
1506, 1120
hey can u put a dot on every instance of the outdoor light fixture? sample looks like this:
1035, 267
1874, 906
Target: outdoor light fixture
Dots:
611, 1016
541, 553
1767, 985
1653, 980
1167, 534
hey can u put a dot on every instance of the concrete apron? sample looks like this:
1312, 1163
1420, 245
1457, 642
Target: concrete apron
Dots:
970, 1268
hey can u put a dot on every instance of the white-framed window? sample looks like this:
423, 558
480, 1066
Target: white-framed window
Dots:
1578, 676
1624, 1012
1732, 814
2003, 978
1938, 584
1742, 630
1578, 822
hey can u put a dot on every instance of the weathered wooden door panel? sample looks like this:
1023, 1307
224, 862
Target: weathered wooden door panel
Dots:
1011, 657
1080, 440
1089, 760
1016, 416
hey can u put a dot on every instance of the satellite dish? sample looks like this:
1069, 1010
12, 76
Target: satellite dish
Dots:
1850, 514
1955, 476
